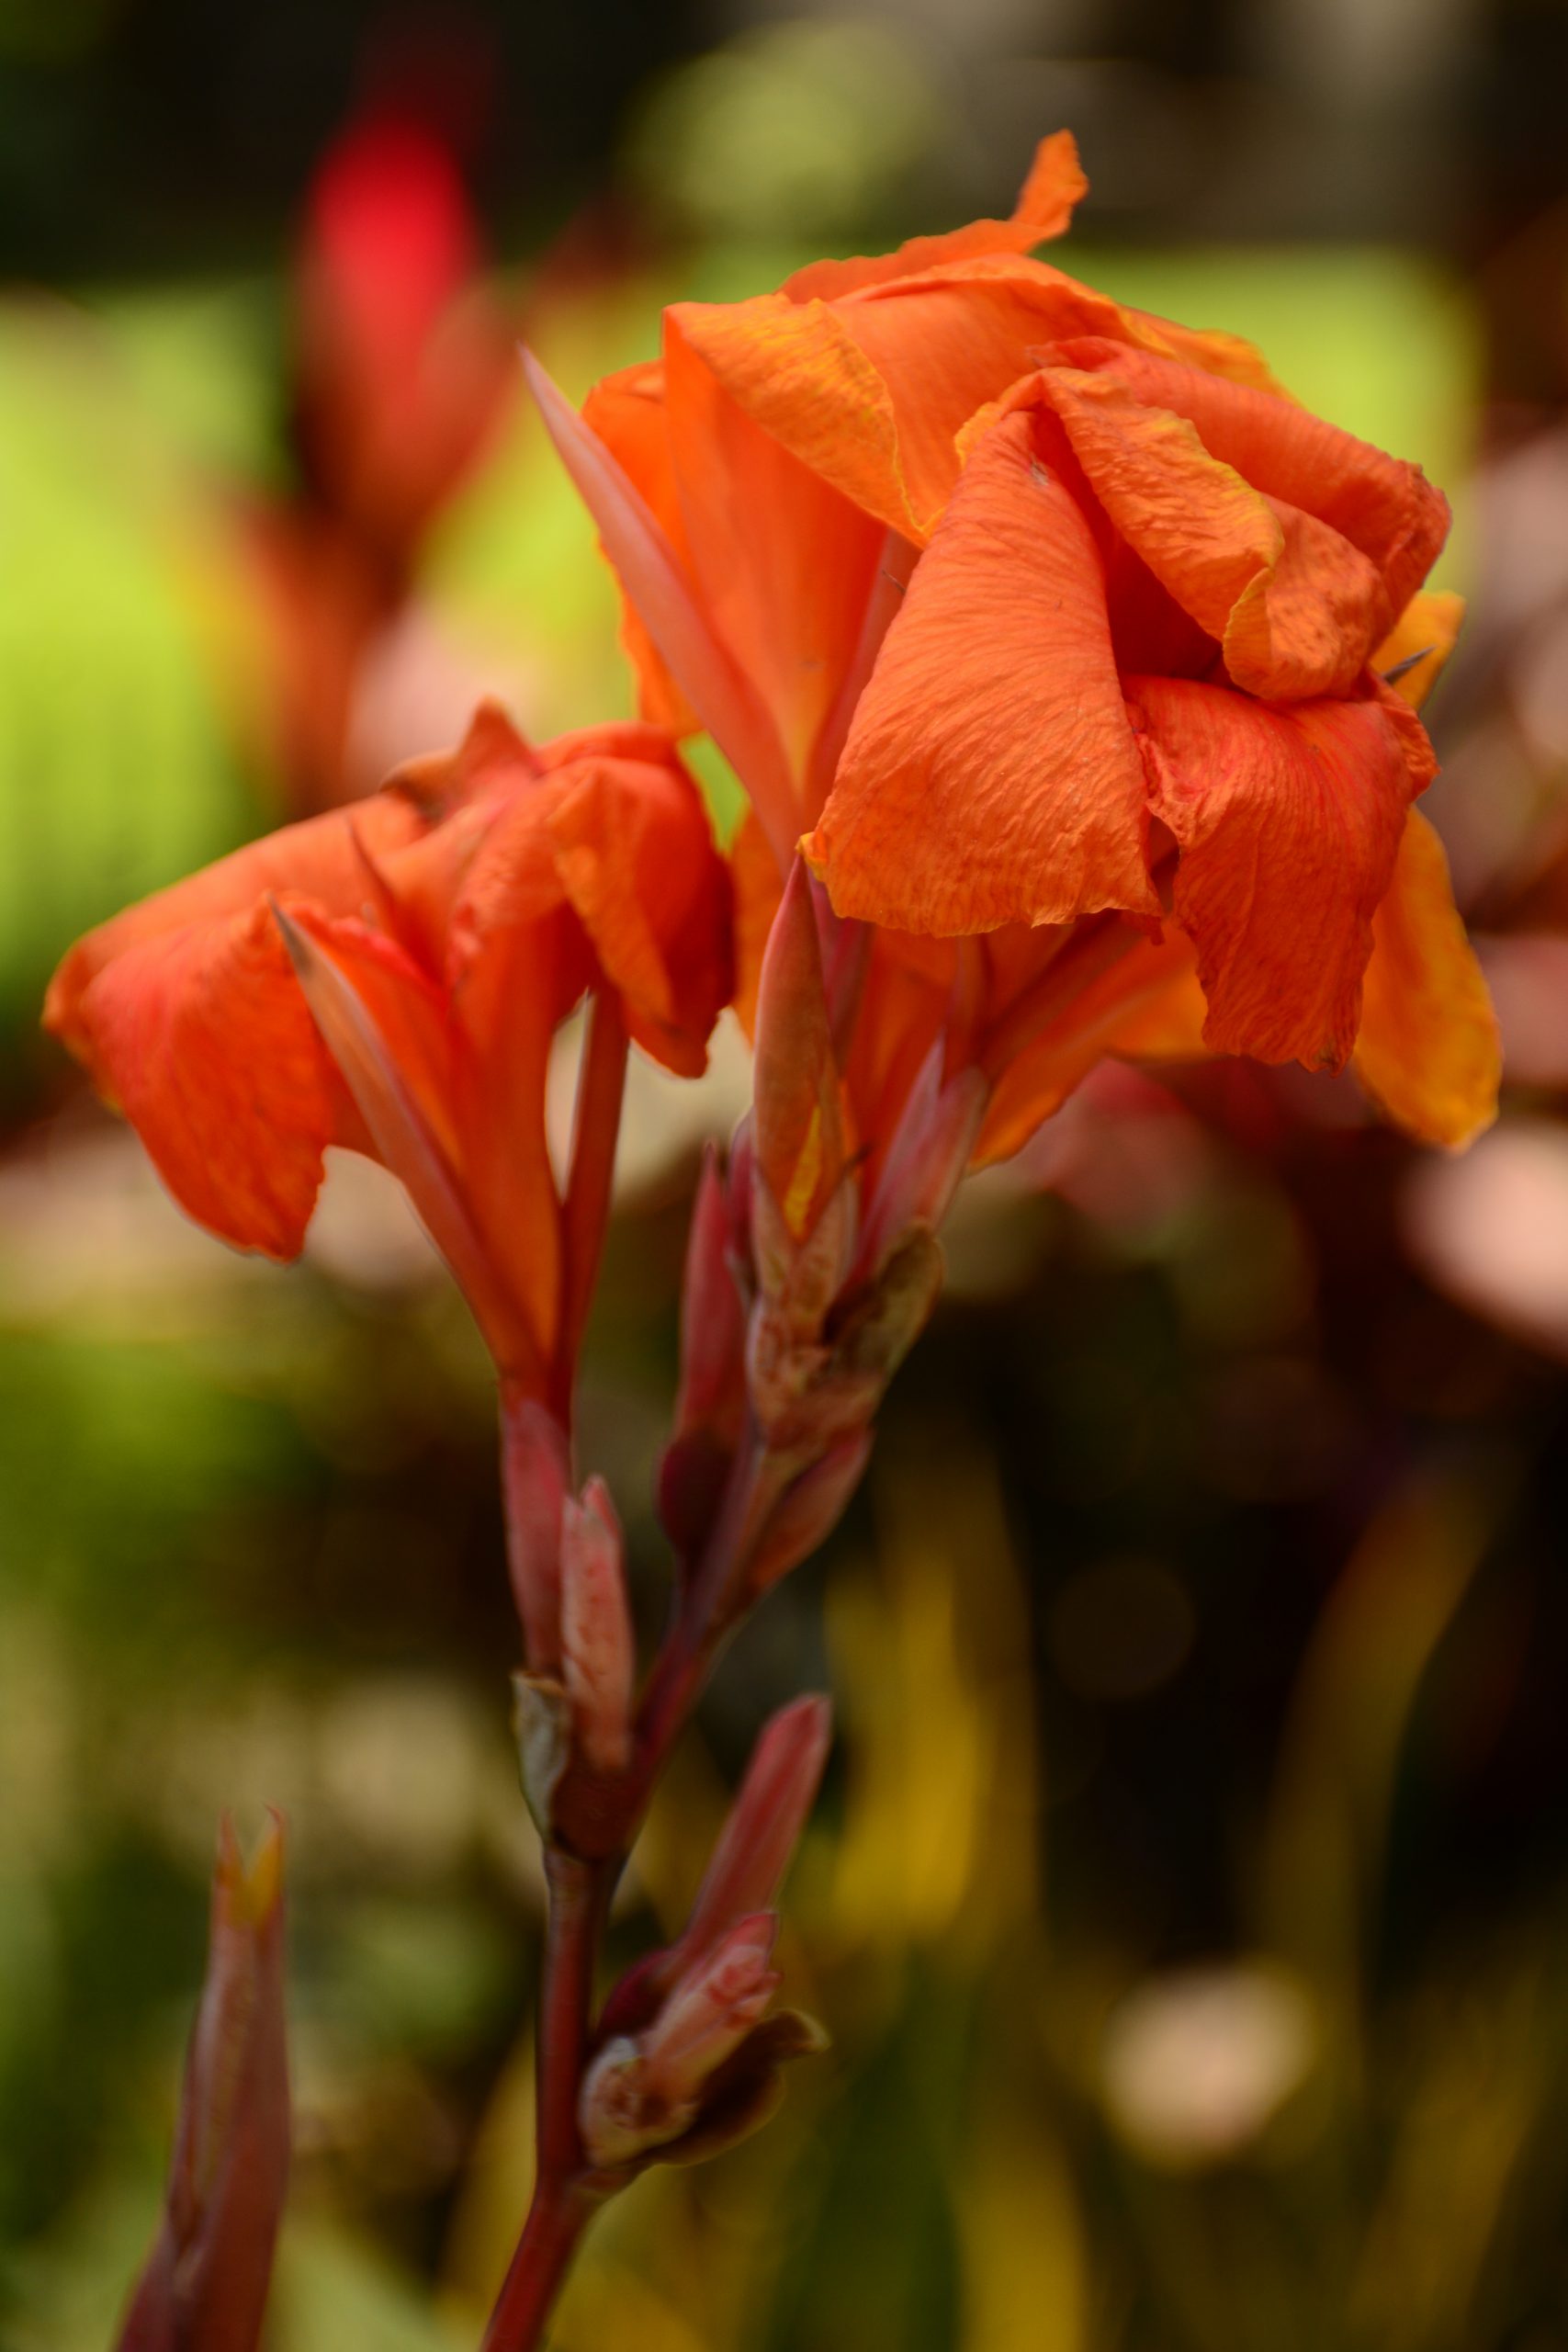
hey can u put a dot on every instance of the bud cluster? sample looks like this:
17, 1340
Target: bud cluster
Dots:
804, 1291
689, 2057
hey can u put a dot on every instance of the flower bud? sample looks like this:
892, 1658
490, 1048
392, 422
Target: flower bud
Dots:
710, 1411
928, 1155
713, 1324
799, 1123
533, 1463
807, 1511
206, 2281
642, 2092
759, 1834
598, 1647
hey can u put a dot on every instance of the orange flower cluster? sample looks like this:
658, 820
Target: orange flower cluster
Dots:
1028, 606
1075, 656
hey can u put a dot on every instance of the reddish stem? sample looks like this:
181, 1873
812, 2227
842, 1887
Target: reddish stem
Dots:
556, 2219
561, 2206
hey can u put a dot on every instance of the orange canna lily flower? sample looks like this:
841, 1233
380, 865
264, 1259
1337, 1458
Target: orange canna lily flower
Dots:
1032, 608
390, 976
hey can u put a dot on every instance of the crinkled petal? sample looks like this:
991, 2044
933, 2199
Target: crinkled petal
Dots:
1429, 1054
1055, 188
1296, 608
187, 1015
1289, 819
1380, 505
990, 775
202, 1038
638, 863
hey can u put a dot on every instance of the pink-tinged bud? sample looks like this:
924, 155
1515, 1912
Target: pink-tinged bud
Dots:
598, 1647
927, 1158
713, 2006
798, 1124
642, 2092
206, 2281
535, 1466
807, 1511
713, 1321
763, 1827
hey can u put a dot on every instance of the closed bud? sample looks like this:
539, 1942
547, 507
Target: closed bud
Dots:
534, 1462
643, 2091
761, 1833
206, 2281
807, 1511
928, 1157
713, 1323
598, 1648
799, 1123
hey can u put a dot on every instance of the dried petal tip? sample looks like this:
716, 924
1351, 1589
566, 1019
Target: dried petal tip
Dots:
206, 2281
598, 1647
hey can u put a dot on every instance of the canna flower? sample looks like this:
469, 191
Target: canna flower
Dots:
403, 375
206, 2281
1031, 608
405, 363
390, 977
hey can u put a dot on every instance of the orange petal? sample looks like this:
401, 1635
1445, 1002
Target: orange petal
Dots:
785, 564
320, 860
202, 1038
637, 860
1147, 1005
1296, 607
626, 412
1428, 1053
758, 888
1289, 820
1427, 626
990, 775
1055, 186
796, 369
1382, 506
662, 593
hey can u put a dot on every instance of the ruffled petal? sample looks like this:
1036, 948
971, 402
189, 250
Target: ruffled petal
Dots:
1430, 1053
186, 1012
990, 775
1296, 608
1382, 506
202, 1038
1046, 202
1289, 820
637, 860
